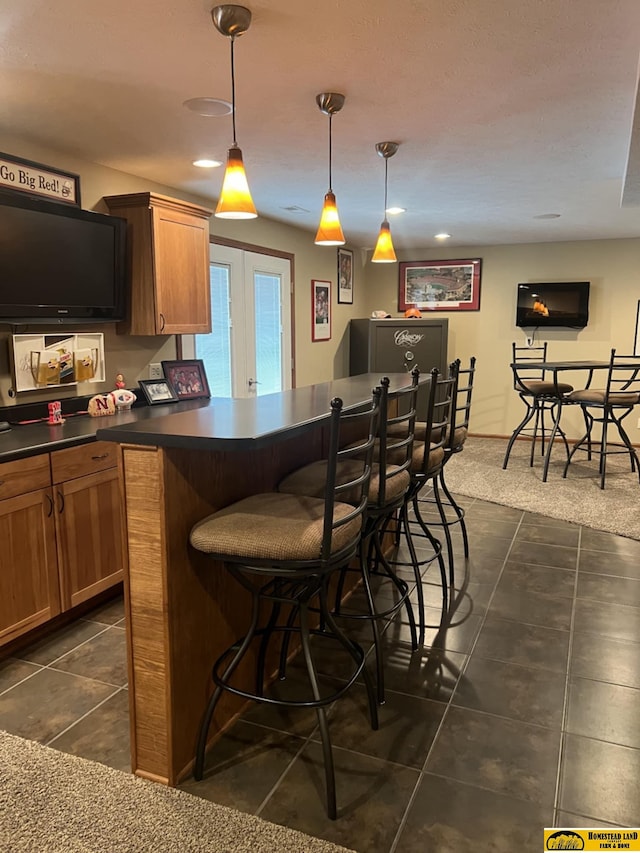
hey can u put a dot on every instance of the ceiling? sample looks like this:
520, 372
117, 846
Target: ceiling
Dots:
505, 110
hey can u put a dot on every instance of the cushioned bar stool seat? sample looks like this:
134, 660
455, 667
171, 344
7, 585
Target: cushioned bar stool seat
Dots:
283, 549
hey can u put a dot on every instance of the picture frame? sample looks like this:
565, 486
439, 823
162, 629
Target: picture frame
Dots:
157, 391
452, 285
636, 338
36, 179
345, 276
187, 377
320, 310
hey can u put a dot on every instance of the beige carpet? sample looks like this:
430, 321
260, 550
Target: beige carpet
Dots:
477, 472
51, 802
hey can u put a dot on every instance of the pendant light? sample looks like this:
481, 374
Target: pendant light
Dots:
235, 200
329, 230
384, 252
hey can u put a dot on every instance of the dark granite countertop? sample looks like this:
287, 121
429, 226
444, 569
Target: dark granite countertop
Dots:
24, 440
252, 423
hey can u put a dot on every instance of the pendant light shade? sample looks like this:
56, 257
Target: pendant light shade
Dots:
330, 231
384, 253
235, 200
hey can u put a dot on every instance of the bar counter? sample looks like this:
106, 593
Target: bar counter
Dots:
182, 608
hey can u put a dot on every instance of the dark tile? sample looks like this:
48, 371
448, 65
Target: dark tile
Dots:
535, 518
49, 702
60, 642
372, 797
456, 635
502, 755
497, 511
102, 658
549, 533
605, 659
604, 711
599, 540
12, 671
600, 780
102, 735
609, 563
607, 620
532, 608
481, 525
244, 765
448, 816
538, 579
407, 726
109, 613
427, 672
558, 556
574, 821
300, 721
478, 569
529, 645
490, 547
510, 690
613, 590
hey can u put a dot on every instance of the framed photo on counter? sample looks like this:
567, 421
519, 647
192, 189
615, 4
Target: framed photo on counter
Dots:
187, 377
157, 391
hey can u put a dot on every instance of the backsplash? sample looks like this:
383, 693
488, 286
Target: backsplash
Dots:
123, 354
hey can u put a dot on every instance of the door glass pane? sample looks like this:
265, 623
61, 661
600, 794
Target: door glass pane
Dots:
268, 324
215, 349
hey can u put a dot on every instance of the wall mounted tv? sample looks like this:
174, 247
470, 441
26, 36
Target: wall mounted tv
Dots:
553, 304
60, 264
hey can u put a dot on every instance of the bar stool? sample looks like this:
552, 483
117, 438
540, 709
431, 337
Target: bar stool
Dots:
388, 486
456, 438
293, 544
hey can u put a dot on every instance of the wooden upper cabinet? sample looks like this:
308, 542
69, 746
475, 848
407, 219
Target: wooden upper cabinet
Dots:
168, 248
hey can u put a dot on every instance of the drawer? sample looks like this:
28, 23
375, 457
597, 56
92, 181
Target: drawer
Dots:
84, 459
24, 475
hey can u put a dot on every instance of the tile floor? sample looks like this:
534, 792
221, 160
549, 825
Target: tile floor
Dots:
522, 711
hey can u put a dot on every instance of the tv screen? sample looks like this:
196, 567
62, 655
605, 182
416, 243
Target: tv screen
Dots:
548, 304
60, 264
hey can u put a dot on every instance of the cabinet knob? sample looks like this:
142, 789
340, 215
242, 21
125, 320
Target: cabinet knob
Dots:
161, 322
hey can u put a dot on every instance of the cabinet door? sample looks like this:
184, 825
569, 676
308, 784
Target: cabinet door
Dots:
88, 523
181, 258
30, 593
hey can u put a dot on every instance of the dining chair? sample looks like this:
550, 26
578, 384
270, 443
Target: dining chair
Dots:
541, 396
608, 407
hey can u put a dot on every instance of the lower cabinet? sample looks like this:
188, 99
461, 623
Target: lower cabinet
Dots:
62, 544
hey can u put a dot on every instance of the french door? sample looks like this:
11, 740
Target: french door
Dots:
248, 351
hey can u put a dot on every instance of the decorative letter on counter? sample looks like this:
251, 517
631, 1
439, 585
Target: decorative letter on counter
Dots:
100, 405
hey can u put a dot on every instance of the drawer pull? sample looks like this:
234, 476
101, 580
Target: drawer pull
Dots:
102, 456
60, 502
50, 499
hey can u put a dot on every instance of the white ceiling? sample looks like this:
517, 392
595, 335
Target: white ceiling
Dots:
505, 110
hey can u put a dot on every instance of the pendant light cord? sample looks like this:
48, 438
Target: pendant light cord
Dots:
386, 164
233, 94
330, 117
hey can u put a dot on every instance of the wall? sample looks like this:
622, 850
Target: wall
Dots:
610, 265
315, 361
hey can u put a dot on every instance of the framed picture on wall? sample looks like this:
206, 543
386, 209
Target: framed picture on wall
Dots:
440, 285
320, 310
345, 276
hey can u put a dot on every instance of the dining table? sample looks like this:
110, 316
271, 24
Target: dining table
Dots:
555, 368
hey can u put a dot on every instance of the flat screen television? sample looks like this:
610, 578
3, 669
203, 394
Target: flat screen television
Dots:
59, 263
553, 304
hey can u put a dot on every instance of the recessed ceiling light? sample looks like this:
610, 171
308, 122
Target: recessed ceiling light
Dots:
442, 236
208, 106
207, 164
548, 216
393, 211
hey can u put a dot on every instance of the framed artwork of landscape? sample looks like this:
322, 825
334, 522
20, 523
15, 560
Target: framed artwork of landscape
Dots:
440, 285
